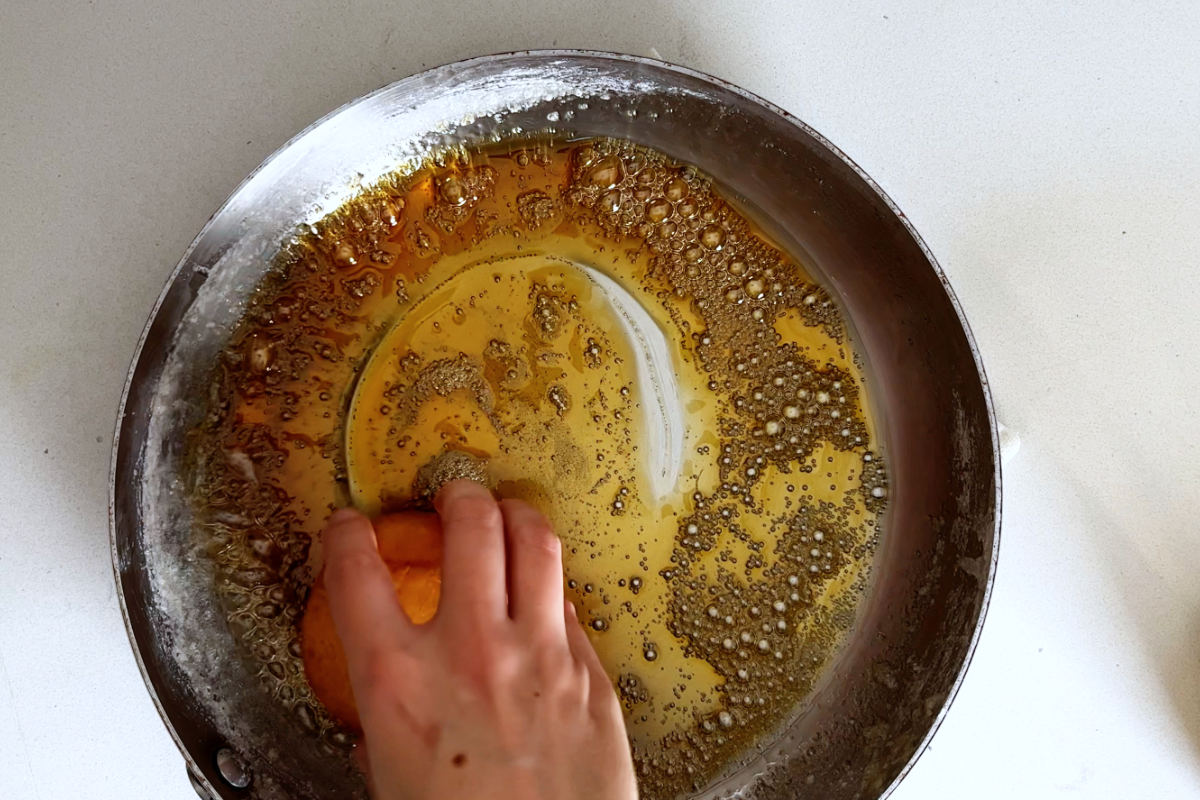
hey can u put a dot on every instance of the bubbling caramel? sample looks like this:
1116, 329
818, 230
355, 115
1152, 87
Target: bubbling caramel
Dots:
591, 326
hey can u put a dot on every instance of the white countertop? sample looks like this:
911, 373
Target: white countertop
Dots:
1051, 160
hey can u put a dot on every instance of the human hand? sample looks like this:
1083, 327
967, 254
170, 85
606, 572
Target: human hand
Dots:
500, 695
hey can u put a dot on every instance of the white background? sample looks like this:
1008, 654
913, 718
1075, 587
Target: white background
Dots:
1049, 153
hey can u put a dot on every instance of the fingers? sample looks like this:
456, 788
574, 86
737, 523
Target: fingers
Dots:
601, 696
576, 639
473, 563
362, 598
535, 589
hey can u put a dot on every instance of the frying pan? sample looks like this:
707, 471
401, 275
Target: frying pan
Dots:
883, 696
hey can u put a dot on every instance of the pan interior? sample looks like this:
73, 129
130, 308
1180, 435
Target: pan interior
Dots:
882, 697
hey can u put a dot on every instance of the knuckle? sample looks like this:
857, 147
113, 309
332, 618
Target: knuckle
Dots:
540, 536
477, 635
348, 568
529, 529
479, 656
504, 668
377, 674
501, 673
580, 676
550, 662
562, 681
478, 511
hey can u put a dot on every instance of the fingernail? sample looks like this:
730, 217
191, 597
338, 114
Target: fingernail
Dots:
571, 609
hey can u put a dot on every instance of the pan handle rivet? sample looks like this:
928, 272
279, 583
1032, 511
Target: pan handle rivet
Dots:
233, 768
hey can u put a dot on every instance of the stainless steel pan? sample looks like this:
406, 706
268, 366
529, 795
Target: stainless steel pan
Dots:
884, 696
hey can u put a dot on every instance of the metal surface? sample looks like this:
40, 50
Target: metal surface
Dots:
233, 768
885, 694
198, 784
